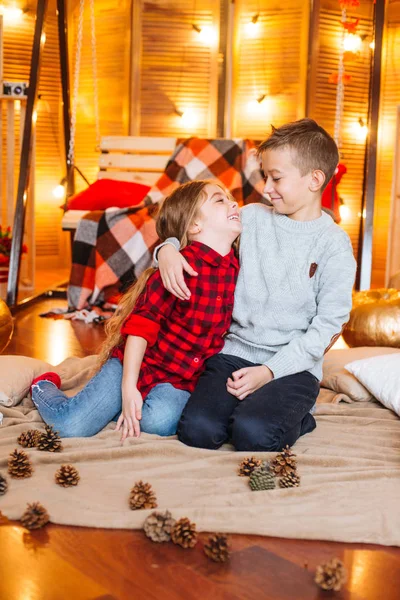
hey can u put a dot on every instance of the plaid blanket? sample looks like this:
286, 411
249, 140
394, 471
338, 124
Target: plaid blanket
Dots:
113, 247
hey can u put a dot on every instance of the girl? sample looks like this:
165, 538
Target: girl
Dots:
156, 344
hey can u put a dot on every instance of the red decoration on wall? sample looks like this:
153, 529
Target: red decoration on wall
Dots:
350, 27
330, 196
349, 3
334, 78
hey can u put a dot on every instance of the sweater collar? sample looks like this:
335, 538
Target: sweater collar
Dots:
307, 226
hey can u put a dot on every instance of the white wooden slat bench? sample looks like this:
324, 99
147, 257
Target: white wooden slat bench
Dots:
128, 158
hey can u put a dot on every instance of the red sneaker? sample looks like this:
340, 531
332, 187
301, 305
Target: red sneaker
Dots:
49, 376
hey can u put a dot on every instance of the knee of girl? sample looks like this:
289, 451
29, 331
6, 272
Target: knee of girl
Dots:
68, 430
159, 426
202, 433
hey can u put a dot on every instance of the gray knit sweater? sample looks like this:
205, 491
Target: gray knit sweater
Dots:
293, 293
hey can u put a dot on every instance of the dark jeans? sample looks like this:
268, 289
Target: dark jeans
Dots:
272, 417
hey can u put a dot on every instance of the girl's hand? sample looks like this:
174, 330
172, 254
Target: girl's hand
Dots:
128, 421
171, 264
248, 380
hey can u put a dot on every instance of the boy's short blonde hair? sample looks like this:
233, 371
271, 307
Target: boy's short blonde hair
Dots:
313, 147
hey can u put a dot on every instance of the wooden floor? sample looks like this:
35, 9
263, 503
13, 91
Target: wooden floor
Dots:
72, 563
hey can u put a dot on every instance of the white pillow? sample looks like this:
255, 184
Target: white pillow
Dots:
381, 376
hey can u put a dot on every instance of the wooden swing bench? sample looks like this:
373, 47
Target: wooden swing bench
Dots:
128, 158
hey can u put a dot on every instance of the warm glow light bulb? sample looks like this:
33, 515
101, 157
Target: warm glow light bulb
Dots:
372, 45
360, 130
252, 28
59, 192
43, 38
207, 35
253, 106
352, 42
345, 212
11, 14
34, 116
189, 118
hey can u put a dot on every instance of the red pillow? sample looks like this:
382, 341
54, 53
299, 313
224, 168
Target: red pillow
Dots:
108, 192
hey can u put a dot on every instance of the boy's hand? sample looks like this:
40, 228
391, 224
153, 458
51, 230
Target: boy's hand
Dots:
171, 264
131, 414
248, 380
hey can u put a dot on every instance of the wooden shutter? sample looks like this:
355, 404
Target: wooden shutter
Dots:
270, 61
113, 23
390, 99
177, 70
18, 40
356, 95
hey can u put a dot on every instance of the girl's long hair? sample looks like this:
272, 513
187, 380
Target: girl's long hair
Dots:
177, 213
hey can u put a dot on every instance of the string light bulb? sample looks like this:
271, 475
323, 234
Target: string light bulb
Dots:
352, 42
360, 130
255, 106
11, 14
189, 117
253, 25
344, 211
59, 190
372, 45
207, 35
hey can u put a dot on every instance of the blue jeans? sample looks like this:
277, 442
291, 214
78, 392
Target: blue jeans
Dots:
100, 402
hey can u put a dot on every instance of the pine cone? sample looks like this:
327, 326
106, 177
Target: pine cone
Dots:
67, 476
35, 516
49, 441
184, 533
217, 548
248, 465
29, 439
284, 463
158, 526
3, 485
262, 479
19, 465
331, 575
291, 480
142, 496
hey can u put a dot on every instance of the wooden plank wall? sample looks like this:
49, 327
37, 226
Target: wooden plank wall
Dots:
270, 59
323, 100
390, 99
178, 68
18, 38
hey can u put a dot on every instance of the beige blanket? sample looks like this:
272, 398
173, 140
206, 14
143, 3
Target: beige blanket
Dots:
349, 468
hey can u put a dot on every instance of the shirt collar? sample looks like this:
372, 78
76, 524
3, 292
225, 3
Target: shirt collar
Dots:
211, 256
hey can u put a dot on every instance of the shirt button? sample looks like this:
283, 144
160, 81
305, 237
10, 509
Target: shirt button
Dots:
219, 298
196, 360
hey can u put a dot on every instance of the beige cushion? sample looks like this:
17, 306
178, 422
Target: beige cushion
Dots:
335, 376
16, 374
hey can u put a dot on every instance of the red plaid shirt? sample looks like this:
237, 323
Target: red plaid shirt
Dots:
182, 334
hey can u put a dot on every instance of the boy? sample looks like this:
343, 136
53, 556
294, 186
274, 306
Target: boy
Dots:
292, 298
